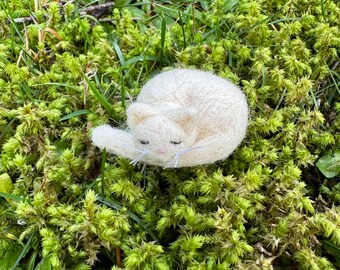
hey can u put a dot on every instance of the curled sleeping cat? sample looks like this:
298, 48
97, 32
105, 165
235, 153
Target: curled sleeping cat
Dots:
181, 118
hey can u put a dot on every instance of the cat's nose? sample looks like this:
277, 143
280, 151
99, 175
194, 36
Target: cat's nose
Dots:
160, 151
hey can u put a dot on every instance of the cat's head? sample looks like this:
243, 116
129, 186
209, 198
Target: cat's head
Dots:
161, 134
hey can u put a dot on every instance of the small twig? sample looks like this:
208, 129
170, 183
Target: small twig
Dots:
36, 5
21, 20
260, 248
334, 65
97, 11
19, 58
118, 257
26, 38
100, 7
106, 20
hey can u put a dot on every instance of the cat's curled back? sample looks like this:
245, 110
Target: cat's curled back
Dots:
181, 118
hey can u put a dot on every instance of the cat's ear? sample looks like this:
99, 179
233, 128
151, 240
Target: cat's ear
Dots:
138, 112
185, 117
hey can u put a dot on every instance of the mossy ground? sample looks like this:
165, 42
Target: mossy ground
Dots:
66, 69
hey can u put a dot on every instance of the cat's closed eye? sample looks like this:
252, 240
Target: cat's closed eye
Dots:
175, 142
144, 142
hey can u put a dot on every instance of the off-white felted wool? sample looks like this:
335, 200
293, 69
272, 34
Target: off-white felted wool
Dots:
181, 118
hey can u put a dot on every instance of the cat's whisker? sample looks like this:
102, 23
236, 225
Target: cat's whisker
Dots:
143, 153
176, 159
133, 148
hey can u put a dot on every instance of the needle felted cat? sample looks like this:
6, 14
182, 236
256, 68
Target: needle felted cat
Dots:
181, 118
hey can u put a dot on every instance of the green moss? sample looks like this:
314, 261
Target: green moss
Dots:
67, 206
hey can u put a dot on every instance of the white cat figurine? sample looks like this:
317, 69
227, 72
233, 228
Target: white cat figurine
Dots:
181, 118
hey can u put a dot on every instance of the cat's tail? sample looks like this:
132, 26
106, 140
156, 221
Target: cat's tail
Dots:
114, 141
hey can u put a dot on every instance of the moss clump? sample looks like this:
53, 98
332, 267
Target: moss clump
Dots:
65, 205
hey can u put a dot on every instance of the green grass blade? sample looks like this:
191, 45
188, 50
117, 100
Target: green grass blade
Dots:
76, 113
119, 53
332, 249
31, 262
25, 90
163, 32
10, 196
59, 84
103, 170
323, 10
255, 25
26, 248
173, 11
336, 83
183, 30
100, 97
212, 31
6, 128
229, 5
140, 58
230, 59
11, 256
45, 264
285, 20
13, 25
116, 206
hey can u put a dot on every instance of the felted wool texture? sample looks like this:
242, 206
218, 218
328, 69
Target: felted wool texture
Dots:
181, 118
